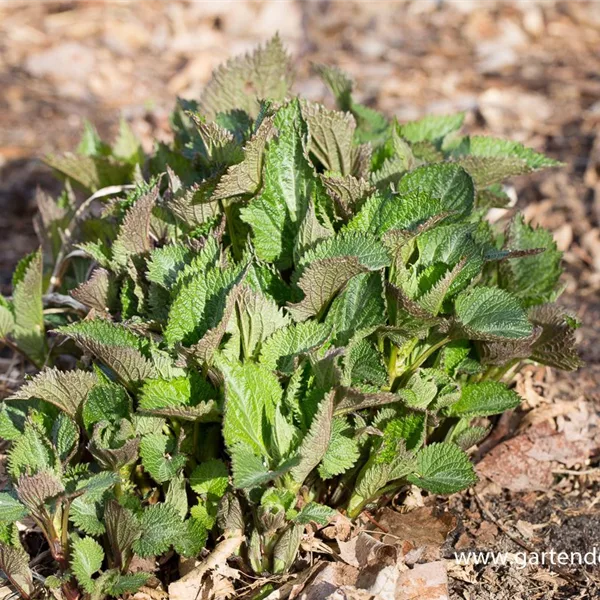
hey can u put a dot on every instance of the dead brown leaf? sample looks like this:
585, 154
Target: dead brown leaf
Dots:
329, 580
524, 463
194, 585
427, 581
424, 529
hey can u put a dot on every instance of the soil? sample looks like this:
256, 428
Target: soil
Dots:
524, 70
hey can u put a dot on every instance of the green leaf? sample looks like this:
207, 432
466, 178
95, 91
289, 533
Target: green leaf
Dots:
98, 292
321, 281
7, 319
14, 562
443, 468
126, 584
359, 306
325, 269
243, 81
348, 193
331, 137
192, 540
432, 128
176, 494
164, 264
533, 279
122, 531
368, 250
115, 345
189, 391
12, 421
133, 237
35, 490
488, 313
363, 363
195, 305
311, 232
211, 144
91, 143
251, 393
156, 451
161, 525
316, 441
339, 82
67, 390
112, 449
469, 437
28, 332
194, 206
485, 399
90, 172
32, 452
258, 317
210, 477
314, 513
411, 427
289, 183
281, 350
127, 147
11, 509
87, 557
84, 514
204, 350
65, 436
96, 485
105, 402
342, 451
245, 177
490, 170
426, 192
495, 147
556, 345
249, 470
286, 548
399, 159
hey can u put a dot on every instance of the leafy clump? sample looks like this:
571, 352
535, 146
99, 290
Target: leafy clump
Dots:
288, 311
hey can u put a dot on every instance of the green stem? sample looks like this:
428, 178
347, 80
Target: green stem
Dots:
497, 373
425, 355
418, 362
392, 364
391, 487
237, 252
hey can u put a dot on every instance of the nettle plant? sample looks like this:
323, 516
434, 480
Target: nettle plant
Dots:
287, 311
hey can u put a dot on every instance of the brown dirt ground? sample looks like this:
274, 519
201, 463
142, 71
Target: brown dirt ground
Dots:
525, 70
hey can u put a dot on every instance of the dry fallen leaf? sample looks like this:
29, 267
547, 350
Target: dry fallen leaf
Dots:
327, 581
381, 582
364, 550
428, 581
191, 585
524, 463
423, 529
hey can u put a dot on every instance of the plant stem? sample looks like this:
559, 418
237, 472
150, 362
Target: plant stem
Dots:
229, 220
418, 362
67, 234
425, 355
392, 364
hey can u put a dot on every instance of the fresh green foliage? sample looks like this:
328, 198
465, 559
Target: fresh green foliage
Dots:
288, 311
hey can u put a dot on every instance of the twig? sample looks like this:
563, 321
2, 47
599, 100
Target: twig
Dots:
62, 300
517, 540
40, 558
574, 472
375, 522
67, 234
